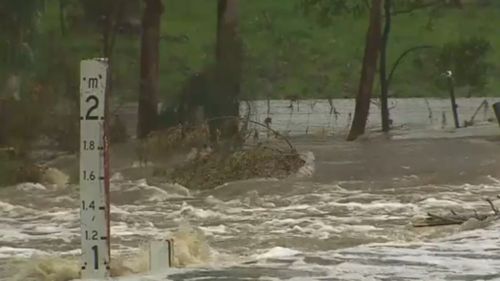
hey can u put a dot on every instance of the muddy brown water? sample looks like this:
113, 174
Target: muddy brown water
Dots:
350, 220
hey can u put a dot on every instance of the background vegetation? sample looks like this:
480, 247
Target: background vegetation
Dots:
287, 53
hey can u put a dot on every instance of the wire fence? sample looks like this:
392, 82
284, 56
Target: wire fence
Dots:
321, 117
333, 117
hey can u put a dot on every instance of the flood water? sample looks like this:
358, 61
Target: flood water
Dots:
333, 225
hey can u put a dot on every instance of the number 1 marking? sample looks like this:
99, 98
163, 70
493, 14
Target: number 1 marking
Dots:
96, 257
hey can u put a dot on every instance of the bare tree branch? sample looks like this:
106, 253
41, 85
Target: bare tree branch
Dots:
495, 210
402, 56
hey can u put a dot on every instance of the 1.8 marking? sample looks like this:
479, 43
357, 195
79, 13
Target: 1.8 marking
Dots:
89, 145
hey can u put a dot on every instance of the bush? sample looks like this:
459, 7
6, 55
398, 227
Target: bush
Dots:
216, 169
467, 59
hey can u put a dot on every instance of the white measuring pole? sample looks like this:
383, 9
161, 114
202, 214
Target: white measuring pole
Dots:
94, 180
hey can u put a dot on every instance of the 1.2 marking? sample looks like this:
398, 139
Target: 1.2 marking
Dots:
92, 236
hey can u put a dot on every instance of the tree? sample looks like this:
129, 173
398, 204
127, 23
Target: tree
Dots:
18, 24
384, 87
467, 59
389, 11
226, 86
62, 16
150, 72
107, 16
372, 48
326, 9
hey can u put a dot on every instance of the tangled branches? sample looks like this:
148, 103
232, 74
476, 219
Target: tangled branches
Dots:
453, 217
209, 167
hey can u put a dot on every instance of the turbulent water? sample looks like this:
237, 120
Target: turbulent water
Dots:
257, 230
300, 228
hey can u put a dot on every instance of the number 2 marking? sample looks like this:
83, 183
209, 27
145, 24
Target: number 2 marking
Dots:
88, 116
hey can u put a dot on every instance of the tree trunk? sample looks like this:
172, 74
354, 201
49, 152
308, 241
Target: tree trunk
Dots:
228, 71
150, 72
370, 58
384, 85
62, 18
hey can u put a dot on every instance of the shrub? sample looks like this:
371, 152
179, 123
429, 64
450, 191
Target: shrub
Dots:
466, 58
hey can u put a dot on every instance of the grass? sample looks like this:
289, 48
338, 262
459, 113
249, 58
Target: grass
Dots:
286, 52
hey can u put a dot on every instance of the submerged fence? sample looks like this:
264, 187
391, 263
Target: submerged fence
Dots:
332, 117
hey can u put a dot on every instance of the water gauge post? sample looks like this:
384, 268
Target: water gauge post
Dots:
94, 180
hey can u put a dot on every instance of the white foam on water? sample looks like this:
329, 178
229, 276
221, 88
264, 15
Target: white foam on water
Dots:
10, 252
64, 199
190, 249
188, 210
28, 186
13, 210
307, 170
131, 231
117, 210
277, 252
249, 225
378, 206
433, 202
55, 178
117, 177
212, 230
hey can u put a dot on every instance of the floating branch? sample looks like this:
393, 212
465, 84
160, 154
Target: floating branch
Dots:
453, 218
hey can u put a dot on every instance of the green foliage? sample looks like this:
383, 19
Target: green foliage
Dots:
18, 26
324, 10
467, 59
16, 16
96, 11
49, 102
285, 52
57, 81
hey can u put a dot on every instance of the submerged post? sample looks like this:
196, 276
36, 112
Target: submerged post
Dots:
496, 108
94, 179
161, 255
451, 88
